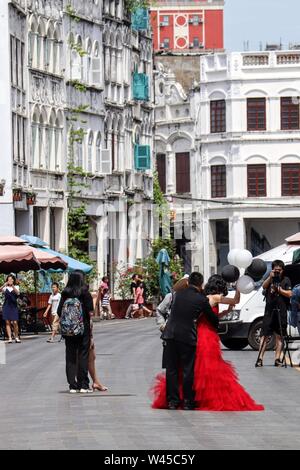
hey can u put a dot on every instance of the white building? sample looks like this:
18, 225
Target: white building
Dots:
248, 127
175, 155
239, 132
74, 76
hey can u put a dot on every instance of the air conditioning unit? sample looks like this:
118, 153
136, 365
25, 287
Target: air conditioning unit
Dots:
162, 23
201, 45
191, 45
162, 46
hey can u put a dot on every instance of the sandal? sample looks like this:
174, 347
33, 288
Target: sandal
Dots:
278, 363
259, 363
100, 388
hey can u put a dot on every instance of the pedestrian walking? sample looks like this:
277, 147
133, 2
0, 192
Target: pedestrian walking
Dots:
53, 304
132, 307
75, 311
105, 305
10, 310
140, 300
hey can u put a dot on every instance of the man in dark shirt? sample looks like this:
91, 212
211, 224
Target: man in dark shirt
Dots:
278, 291
181, 338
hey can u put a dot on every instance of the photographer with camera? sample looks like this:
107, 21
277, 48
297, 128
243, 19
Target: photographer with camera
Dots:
278, 291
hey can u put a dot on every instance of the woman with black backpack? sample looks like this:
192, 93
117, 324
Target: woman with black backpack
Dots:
75, 311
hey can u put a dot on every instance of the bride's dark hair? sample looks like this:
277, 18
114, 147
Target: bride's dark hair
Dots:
216, 285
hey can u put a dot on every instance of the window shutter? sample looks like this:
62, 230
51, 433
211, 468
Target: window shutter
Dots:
96, 71
140, 86
183, 177
142, 157
140, 19
76, 66
105, 167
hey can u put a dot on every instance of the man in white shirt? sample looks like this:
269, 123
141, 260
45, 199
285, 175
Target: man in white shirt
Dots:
53, 303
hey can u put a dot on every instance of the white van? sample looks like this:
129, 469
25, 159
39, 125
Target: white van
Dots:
242, 326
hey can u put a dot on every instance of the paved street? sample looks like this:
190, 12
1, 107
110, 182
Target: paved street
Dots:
37, 412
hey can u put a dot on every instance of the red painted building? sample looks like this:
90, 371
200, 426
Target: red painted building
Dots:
187, 25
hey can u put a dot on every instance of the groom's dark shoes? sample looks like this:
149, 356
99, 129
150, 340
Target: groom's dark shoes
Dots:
173, 406
189, 405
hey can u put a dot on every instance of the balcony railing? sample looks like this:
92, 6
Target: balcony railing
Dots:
255, 60
286, 59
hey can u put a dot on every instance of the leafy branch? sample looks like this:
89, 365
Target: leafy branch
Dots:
133, 5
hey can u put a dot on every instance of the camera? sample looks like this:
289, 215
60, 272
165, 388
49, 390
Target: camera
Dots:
276, 279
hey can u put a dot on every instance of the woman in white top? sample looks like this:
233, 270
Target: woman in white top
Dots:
10, 310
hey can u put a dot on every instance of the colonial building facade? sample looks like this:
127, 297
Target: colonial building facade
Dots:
249, 129
175, 156
243, 143
76, 87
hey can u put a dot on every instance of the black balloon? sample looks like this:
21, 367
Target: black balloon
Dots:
257, 269
230, 273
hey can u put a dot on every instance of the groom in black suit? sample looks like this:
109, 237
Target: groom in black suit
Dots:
181, 338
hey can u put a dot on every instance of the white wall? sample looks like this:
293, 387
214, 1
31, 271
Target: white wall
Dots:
6, 204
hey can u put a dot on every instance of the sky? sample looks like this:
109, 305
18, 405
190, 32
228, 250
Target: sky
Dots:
261, 21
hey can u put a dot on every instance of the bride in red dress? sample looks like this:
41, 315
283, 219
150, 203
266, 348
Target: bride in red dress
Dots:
216, 383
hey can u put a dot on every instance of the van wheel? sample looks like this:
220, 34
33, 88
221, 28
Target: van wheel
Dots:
236, 344
254, 337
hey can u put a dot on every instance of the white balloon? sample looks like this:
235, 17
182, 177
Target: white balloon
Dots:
243, 259
245, 284
231, 256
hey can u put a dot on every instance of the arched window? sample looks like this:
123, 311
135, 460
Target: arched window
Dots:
33, 28
51, 140
98, 153
112, 8
76, 61
88, 61
35, 138
114, 145
42, 156
40, 43
90, 152
57, 49
119, 59
96, 78
136, 135
79, 154
106, 6
49, 46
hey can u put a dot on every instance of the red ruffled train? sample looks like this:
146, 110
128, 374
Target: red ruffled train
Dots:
216, 383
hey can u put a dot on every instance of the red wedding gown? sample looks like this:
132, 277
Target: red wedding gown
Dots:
215, 381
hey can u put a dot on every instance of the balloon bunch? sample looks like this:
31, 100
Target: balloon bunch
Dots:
255, 269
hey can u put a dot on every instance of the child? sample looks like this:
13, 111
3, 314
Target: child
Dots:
105, 304
140, 300
53, 303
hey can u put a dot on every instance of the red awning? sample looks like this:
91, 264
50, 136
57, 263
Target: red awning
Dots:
15, 258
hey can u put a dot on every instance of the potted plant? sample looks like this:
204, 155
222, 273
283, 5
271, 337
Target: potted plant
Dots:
17, 194
30, 198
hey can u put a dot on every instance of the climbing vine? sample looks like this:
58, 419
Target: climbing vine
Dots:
133, 5
78, 223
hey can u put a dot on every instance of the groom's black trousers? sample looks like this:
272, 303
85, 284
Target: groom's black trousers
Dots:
179, 357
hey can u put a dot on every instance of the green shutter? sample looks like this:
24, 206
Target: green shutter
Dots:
140, 19
142, 157
140, 86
